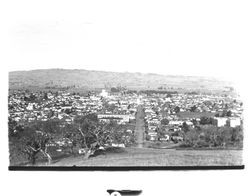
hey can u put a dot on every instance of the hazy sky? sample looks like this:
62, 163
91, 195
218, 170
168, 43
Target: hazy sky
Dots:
174, 37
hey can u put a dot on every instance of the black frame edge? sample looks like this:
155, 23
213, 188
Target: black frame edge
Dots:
140, 168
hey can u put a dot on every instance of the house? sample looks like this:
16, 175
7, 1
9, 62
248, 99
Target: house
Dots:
122, 118
234, 122
220, 121
177, 122
118, 145
165, 138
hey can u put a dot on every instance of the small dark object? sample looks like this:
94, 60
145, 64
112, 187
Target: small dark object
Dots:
125, 192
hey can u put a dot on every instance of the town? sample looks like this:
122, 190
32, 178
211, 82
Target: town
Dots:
154, 118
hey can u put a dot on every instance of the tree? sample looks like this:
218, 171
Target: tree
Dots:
34, 142
217, 115
177, 109
185, 127
109, 107
206, 120
115, 90
14, 127
67, 111
193, 108
164, 121
33, 139
226, 113
45, 96
194, 121
229, 113
237, 136
90, 134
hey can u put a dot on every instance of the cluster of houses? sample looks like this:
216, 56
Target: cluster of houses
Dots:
63, 106
175, 109
118, 108
66, 106
188, 108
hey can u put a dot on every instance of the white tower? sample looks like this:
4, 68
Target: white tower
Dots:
104, 93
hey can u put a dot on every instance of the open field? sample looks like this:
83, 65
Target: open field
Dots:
159, 157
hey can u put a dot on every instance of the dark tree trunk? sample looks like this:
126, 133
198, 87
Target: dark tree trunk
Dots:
33, 159
88, 153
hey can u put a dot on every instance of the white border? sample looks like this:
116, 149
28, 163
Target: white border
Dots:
224, 54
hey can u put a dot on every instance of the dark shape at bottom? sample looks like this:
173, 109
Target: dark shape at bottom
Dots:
125, 192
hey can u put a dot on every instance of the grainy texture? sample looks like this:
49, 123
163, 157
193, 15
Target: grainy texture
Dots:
159, 157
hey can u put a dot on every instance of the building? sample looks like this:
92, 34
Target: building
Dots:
234, 122
120, 118
104, 93
220, 121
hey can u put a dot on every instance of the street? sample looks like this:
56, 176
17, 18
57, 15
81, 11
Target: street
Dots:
140, 126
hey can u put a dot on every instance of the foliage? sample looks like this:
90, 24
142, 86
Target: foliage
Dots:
191, 138
109, 107
32, 139
193, 108
185, 127
211, 136
206, 120
177, 109
225, 113
88, 133
151, 92
164, 121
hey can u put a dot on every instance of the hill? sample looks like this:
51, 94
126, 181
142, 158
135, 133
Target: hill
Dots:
90, 80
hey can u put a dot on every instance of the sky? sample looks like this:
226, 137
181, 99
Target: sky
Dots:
166, 37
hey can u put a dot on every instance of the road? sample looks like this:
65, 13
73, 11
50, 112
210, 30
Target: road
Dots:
140, 126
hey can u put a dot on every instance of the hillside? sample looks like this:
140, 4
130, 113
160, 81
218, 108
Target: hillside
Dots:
87, 79
131, 157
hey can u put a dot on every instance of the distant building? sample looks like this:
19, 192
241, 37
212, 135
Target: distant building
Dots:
220, 121
176, 122
120, 118
30, 107
104, 93
234, 122
138, 101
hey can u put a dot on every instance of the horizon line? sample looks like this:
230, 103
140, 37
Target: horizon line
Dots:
98, 70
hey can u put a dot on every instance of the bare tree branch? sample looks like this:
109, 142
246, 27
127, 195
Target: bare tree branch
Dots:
35, 150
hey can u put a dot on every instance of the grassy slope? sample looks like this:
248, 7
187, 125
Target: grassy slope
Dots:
159, 157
